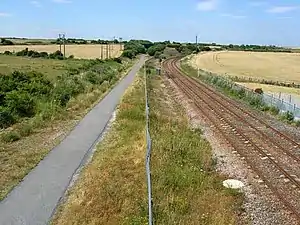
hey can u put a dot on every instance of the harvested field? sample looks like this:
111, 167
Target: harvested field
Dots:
283, 67
79, 51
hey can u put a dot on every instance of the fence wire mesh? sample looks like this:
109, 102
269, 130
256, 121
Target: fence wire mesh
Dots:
268, 99
148, 151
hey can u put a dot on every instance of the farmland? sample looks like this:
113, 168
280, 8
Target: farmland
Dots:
283, 67
79, 51
51, 68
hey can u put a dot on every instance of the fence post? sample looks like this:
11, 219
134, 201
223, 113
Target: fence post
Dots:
148, 151
271, 99
290, 98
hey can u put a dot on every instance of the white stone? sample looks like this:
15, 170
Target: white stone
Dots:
234, 184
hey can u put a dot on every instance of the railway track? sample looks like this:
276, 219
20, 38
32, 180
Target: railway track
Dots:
273, 155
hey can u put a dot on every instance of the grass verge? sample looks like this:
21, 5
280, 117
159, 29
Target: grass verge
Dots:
186, 190
25, 144
112, 188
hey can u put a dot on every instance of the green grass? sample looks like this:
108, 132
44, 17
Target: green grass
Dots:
186, 190
50, 67
28, 141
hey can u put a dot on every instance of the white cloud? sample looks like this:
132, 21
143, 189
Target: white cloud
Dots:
282, 9
62, 1
4, 14
207, 5
36, 3
233, 16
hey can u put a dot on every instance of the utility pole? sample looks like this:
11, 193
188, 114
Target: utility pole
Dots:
120, 40
101, 51
107, 45
62, 40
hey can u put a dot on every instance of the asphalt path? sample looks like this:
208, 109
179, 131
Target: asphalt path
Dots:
34, 200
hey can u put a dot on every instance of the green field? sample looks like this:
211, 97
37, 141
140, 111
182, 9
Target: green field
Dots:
50, 67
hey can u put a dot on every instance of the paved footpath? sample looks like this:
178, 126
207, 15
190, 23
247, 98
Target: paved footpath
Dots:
34, 200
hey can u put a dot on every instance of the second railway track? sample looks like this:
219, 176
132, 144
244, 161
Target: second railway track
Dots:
273, 155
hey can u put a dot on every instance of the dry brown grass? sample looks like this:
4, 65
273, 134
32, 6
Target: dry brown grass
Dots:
263, 65
79, 51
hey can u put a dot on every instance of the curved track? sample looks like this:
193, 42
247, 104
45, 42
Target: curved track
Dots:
273, 155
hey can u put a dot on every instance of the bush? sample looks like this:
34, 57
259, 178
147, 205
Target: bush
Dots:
67, 87
6, 42
11, 136
71, 57
288, 116
128, 54
20, 103
23, 52
274, 110
44, 54
7, 53
6, 118
26, 130
118, 60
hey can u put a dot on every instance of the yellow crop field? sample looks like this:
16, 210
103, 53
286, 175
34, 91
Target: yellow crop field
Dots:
79, 51
284, 67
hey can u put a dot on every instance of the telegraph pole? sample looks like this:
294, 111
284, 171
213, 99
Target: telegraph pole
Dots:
120, 40
101, 51
107, 45
62, 40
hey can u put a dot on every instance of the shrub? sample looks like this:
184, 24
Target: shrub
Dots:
44, 54
128, 54
26, 130
288, 116
118, 60
23, 52
20, 103
11, 136
274, 110
71, 57
67, 87
7, 53
297, 123
6, 118
6, 42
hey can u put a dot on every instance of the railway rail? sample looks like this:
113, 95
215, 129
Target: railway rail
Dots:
273, 155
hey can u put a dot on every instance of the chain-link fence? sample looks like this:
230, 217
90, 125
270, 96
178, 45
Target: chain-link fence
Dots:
148, 152
268, 99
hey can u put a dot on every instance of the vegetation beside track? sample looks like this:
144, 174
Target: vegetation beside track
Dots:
112, 188
226, 86
186, 190
37, 112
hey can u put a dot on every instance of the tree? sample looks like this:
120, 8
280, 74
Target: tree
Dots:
129, 54
6, 42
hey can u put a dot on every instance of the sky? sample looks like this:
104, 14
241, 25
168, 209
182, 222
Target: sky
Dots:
263, 22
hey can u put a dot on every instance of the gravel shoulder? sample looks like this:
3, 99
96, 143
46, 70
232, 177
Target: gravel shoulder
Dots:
260, 205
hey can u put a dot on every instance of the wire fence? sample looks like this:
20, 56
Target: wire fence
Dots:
148, 151
268, 99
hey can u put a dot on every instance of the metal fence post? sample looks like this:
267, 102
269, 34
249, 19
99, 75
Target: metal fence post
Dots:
148, 151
